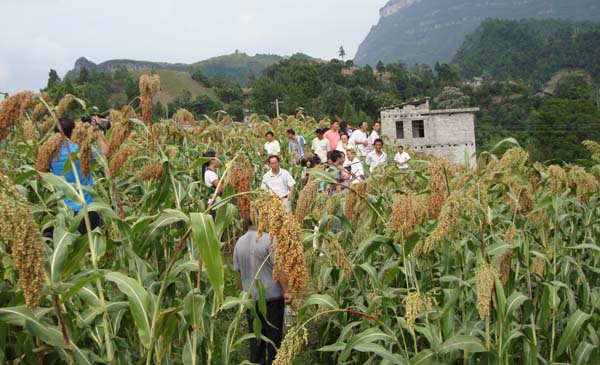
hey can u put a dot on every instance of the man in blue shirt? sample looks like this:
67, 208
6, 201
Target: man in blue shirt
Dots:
297, 148
60, 163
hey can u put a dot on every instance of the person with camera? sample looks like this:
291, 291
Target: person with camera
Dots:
60, 166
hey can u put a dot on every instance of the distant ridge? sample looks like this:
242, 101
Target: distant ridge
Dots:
427, 31
236, 67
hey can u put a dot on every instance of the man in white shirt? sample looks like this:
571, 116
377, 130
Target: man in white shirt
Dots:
272, 145
402, 158
280, 182
359, 139
373, 136
356, 167
320, 145
377, 157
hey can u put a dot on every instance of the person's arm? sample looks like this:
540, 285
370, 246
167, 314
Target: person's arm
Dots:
287, 296
102, 143
305, 151
291, 184
220, 188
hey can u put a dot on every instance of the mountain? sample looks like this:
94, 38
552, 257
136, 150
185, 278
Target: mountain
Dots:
531, 50
236, 67
427, 31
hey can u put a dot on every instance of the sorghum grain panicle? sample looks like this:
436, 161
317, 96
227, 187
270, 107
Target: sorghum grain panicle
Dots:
29, 131
126, 153
83, 136
504, 266
514, 160
485, 280
118, 134
63, 104
46, 125
12, 110
306, 199
438, 189
149, 85
240, 177
154, 171
581, 181
48, 152
594, 148
19, 230
183, 115
558, 179
294, 341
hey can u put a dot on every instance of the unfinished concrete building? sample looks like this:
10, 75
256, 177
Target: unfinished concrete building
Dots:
449, 133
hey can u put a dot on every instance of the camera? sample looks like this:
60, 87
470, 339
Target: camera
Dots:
101, 122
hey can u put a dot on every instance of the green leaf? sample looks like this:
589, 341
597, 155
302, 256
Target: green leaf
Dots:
203, 233
23, 317
381, 352
193, 309
322, 175
168, 217
62, 240
366, 337
573, 326
77, 286
323, 300
224, 217
139, 303
462, 342
583, 353
423, 357
59, 182
513, 302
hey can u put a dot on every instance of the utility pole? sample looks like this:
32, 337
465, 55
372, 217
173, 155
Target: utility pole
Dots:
277, 102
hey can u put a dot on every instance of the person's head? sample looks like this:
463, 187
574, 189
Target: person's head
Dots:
254, 216
319, 132
334, 125
344, 137
400, 149
314, 161
343, 126
274, 163
291, 134
337, 157
67, 124
378, 144
363, 126
270, 136
213, 163
377, 126
351, 154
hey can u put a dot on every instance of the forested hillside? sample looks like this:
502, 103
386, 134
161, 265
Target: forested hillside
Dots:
531, 50
428, 31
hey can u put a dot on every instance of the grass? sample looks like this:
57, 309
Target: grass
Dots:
174, 83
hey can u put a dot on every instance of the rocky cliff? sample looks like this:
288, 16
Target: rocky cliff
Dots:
426, 31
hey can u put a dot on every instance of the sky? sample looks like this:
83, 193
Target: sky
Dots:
39, 35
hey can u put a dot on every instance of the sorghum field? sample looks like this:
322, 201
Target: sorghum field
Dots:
444, 264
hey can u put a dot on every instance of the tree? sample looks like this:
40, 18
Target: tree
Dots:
53, 79
574, 87
84, 76
560, 125
341, 52
451, 98
349, 115
380, 69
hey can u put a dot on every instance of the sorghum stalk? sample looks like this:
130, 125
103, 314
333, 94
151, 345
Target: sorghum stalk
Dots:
86, 217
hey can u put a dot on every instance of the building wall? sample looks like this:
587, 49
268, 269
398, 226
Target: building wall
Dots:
448, 133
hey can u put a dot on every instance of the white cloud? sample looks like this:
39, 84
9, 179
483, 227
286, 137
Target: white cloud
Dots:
45, 34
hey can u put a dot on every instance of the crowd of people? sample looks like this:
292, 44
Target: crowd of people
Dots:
339, 150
